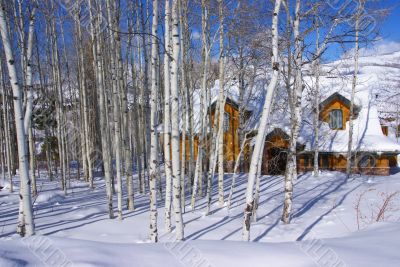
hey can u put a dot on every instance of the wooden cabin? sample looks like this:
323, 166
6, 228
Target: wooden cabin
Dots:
335, 111
231, 135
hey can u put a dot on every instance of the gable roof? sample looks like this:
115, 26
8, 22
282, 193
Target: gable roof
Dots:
341, 98
277, 132
228, 100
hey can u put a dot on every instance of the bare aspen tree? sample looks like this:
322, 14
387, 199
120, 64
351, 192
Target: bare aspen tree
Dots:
116, 105
99, 72
153, 125
6, 126
84, 101
29, 97
175, 115
317, 70
221, 106
295, 106
236, 171
185, 105
198, 176
27, 226
357, 18
167, 118
128, 118
260, 138
187, 87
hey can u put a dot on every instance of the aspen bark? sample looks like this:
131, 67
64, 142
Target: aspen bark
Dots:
6, 125
350, 159
153, 126
99, 72
260, 138
221, 106
295, 117
116, 105
27, 227
167, 119
175, 115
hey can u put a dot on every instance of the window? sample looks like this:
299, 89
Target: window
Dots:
324, 161
306, 161
336, 119
226, 121
385, 130
367, 161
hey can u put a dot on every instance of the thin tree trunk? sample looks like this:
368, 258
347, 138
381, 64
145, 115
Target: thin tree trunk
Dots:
97, 56
116, 104
175, 136
27, 227
6, 125
353, 90
221, 105
167, 119
295, 108
153, 126
260, 138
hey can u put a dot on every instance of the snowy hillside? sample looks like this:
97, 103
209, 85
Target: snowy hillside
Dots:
76, 228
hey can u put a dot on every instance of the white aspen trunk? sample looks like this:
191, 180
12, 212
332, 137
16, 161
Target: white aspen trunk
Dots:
295, 107
145, 96
97, 56
129, 128
167, 119
260, 138
213, 157
236, 171
184, 125
257, 194
86, 128
7, 134
145, 111
32, 161
353, 90
198, 176
116, 105
2, 157
29, 99
221, 105
56, 76
153, 126
175, 115
81, 86
316, 107
27, 227
186, 84
184, 119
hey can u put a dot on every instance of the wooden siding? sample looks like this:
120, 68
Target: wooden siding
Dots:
385, 130
231, 137
337, 162
274, 154
335, 104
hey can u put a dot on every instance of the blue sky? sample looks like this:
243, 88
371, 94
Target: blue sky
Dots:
388, 39
391, 27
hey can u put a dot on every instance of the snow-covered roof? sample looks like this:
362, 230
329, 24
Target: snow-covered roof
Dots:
378, 80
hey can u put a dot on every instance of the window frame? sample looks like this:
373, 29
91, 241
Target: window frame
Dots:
334, 118
227, 122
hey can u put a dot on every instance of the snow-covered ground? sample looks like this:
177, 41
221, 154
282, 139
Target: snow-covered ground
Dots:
74, 230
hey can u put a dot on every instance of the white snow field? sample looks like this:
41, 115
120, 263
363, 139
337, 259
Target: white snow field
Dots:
74, 230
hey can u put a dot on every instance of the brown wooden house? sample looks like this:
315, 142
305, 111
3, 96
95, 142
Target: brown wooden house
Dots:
334, 111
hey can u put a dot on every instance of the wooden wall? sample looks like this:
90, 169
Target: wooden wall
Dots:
335, 104
231, 137
337, 162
